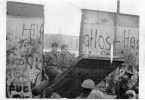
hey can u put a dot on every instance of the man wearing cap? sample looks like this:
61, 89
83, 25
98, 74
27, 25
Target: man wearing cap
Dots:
87, 87
89, 91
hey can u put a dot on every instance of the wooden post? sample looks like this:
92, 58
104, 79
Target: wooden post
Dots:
115, 26
81, 36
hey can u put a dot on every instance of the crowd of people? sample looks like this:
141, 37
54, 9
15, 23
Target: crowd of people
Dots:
123, 87
62, 59
56, 62
122, 83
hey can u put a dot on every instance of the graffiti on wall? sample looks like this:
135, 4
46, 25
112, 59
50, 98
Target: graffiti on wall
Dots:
128, 42
103, 41
24, 51
98, 34
98, 41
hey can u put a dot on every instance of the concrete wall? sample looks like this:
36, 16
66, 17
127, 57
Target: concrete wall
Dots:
98, 33
24, 46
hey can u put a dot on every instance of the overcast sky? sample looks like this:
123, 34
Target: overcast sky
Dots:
63, 16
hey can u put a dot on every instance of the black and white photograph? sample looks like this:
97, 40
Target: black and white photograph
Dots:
72, 49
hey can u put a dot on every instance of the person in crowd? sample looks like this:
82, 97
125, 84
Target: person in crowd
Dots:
66, 58
89, 90
130, 94
50, 69
96, 94
51, 66
123, 85
110, 84
55, 95
136, 88
87, 87
53, 56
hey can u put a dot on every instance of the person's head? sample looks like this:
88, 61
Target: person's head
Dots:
128, 74
55, 95
130, 94
54, 46
87, 86
64, 48
96, 94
